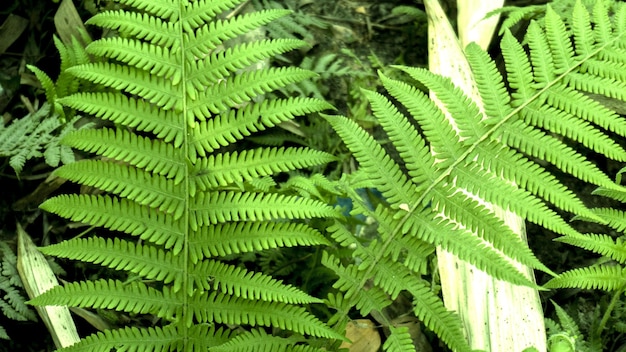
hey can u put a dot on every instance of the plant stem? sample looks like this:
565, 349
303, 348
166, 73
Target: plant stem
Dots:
607, 312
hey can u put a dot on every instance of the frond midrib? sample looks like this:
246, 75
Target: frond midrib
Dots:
489, 134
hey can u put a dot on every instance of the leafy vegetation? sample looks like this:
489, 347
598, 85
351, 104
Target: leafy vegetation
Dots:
222, 212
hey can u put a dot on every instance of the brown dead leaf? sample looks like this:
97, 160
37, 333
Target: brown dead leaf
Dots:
364, 336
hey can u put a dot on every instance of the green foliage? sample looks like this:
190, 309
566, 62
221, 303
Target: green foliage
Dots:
34, 136
537, 12
38, 134
184, 196
326, 66
12, 297
296, 26
66, 84
457, 169
608, 273
564, 336
183, 94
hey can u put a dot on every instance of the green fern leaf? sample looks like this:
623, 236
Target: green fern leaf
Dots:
128, 182
235, 238
478, 156
601, 244
249, 164
567, 323
222, 308
132, 81
148, 262
253, 286
257, 341
611, 217
242, 88
133, 297
214, 208
150, 339
48, 86
34, 136
139, 25
221, 64
237, 124
154, 59
605, 277
364, 300
399, 340
177, 90
121, 216
129, 111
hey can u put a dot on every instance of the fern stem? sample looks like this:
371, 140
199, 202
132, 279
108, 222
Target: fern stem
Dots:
186, 214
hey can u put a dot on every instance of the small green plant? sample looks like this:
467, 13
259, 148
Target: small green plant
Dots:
34, 136
38, 134
12, 296
564, 335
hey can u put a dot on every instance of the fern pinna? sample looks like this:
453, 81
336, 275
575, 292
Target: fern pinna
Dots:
459, 166
180, 93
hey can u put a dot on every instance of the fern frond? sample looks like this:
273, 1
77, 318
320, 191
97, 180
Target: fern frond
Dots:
364, 300
604, 277
133, 297
213, 208
120, 215
71, 55
399, 340
132, 80
204, 11
222, 64
567, 323
258, 341
617, 194
429, 308
385, 173
222, 308
601, 244
142, 152
149, 262
611, 217
129, 112
462, 158
239, 282
128, 182
228, 167
139, 25
140, 340
180, 83
210, 36
154, 59
36, 135
243, 87
47, 85
235, 238
237, 124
